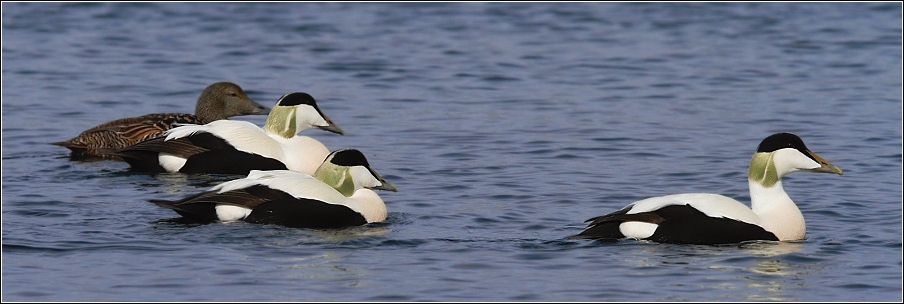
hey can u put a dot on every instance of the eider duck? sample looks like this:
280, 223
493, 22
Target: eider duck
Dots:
220, 100
338, 195
704, 218
237, 147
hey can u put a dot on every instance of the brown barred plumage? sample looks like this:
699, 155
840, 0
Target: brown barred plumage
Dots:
218, 101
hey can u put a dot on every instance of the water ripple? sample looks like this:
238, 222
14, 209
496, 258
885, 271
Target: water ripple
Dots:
505, 126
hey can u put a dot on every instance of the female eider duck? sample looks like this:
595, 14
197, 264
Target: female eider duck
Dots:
220, 100
338, 195
237, 147
704, 218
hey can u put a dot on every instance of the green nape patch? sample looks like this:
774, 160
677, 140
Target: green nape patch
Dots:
762, 169
281, 121
338, 177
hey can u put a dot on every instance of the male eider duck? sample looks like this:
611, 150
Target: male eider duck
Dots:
220, 100
338, 195
704, 218
237, 147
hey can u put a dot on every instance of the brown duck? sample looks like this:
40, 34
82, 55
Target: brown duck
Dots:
218, 101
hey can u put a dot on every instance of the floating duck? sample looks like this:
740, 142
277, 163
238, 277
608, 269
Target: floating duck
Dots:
220, 100
237, 147
337, 195
705, 218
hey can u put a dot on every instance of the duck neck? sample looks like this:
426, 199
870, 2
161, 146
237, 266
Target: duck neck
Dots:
205, 112
778, 213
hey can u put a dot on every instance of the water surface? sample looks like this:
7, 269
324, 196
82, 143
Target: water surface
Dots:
504, 126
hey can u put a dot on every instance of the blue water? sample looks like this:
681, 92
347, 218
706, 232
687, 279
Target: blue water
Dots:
504, 126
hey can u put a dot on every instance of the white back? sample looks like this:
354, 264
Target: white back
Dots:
714, 205
299, 153
244, 136
294, 183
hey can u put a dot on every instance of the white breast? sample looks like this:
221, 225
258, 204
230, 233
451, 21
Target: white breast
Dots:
301, 153
369, 204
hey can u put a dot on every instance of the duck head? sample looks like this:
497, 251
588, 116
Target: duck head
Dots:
347, 170
295, 112
783, 153
222, 100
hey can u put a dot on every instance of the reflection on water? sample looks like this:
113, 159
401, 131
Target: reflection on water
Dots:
325, 267
351, 233
773, 280
761, 270
171, 183
770, 248
771, 276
